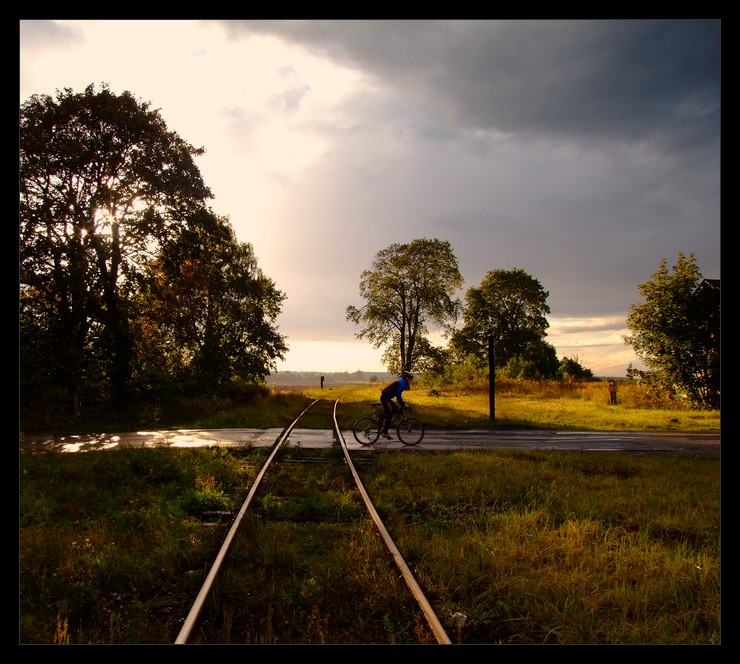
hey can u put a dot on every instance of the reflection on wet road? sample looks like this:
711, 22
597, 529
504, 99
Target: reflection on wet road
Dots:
698, 443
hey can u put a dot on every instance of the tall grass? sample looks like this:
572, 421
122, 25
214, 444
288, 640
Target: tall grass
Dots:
536, 547
531, 404
510, 547
582, 406
562, 548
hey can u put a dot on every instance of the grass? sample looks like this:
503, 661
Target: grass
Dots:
579, 406
523, 548
517, 404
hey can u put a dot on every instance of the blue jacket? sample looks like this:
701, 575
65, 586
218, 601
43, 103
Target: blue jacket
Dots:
395, 389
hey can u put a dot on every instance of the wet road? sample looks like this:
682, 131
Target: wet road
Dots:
689, 443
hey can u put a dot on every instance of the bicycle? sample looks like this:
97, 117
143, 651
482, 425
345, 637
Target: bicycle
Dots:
367, 429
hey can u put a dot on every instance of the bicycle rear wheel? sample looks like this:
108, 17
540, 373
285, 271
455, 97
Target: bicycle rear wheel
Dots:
366, 430
410, 431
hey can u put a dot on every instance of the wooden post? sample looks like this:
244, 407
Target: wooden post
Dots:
491, 379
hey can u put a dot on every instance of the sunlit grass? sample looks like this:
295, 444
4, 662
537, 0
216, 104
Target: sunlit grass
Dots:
562, 548
535, 547
516, 404
522, 548
547, 406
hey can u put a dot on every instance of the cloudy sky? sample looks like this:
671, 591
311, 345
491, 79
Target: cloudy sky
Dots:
583, 152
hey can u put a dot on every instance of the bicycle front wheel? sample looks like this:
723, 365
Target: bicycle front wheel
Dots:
366, 430
410, 431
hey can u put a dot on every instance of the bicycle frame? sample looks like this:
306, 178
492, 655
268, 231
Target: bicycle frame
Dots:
367, 430
397, 419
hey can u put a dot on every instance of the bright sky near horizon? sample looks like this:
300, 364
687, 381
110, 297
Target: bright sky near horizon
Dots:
581, 151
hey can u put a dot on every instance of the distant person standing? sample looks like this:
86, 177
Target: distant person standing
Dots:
612, 393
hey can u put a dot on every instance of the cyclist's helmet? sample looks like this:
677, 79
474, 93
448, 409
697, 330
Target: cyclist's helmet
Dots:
407, 375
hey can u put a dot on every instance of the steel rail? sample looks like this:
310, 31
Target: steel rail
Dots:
195, 611
426, 607
197, 607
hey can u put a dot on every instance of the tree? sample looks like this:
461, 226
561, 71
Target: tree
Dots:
572, 369
676, 331
129, 285
212, 308
511, 306
409, 287
538, 360
103, 184
427, 358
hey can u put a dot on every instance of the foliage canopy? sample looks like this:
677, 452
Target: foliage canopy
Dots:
408, 287
108, 195
676, 332
509, 308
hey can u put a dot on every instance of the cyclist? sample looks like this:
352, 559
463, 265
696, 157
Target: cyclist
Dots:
390, 392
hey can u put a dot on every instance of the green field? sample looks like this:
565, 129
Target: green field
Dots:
509, 547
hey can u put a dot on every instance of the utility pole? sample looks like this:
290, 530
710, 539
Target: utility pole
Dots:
491, 378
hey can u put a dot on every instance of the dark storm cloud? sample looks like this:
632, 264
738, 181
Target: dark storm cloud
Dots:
625, 114
583, 152
618, 80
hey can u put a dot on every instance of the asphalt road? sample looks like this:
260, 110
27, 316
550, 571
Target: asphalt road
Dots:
690, 443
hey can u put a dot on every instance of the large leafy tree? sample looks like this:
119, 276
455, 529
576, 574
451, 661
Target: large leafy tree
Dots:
103, 183
538, 360
676, 331
209, 311
510, 306
571, 369
409, 287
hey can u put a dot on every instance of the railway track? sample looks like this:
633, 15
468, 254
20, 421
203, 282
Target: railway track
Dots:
220, 566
